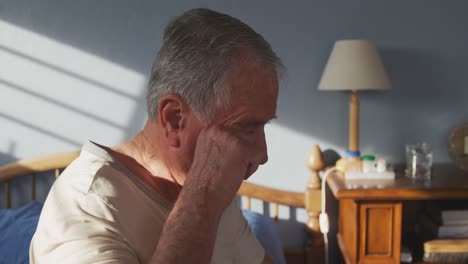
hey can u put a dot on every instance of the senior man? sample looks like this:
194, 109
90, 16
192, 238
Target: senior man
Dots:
166, 196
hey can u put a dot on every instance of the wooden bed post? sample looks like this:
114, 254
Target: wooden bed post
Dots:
313, 200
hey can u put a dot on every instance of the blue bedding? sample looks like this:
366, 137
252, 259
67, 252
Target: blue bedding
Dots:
267, 233
17, 226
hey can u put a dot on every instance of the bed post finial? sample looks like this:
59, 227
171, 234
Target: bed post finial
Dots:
313, 193
315, 244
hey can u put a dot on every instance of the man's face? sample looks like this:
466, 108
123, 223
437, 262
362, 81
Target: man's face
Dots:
253, 103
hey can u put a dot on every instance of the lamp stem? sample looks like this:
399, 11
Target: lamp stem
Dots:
354, 122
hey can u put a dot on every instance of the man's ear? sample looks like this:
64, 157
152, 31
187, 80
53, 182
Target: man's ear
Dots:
172, 111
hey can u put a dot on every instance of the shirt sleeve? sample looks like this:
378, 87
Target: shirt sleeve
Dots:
80, 251
235, 241
249, 248
69, 233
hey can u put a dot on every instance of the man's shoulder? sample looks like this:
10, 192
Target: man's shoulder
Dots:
99, 184
79, 177
79, 210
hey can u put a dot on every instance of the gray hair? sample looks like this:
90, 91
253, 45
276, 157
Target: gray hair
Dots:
198, 49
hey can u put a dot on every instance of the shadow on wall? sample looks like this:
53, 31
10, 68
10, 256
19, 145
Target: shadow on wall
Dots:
424, 103
422, 82
39, 94
58, 103
127, 35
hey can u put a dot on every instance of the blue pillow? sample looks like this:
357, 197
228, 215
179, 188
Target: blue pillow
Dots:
267, 233
17, 226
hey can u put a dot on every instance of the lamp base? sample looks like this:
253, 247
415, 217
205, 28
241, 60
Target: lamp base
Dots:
354, 122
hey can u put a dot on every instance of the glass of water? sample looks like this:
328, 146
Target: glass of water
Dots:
419, 161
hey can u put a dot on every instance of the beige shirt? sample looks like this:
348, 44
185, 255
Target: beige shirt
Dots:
99, 212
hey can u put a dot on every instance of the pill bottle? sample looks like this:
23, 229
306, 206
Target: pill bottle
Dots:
368, 163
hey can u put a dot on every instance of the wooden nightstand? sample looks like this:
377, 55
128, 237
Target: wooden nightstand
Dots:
370, 211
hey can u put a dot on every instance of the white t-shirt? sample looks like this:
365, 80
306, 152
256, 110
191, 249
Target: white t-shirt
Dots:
99, 212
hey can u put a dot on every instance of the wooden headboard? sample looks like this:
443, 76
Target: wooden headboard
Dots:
310, 198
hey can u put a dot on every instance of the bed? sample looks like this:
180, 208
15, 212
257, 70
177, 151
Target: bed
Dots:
312, 251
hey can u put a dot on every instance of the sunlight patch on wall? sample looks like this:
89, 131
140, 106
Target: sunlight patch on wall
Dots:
288, 150
55, 93
286, 168
70, 59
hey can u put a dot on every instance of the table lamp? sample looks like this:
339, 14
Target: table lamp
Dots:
354, 65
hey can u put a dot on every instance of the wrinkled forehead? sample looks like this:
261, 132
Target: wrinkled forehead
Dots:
247, 79
254, 88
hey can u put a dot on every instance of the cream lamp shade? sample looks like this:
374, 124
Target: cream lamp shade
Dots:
354, 65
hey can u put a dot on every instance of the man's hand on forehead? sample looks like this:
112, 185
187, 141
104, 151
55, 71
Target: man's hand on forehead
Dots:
224, 157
